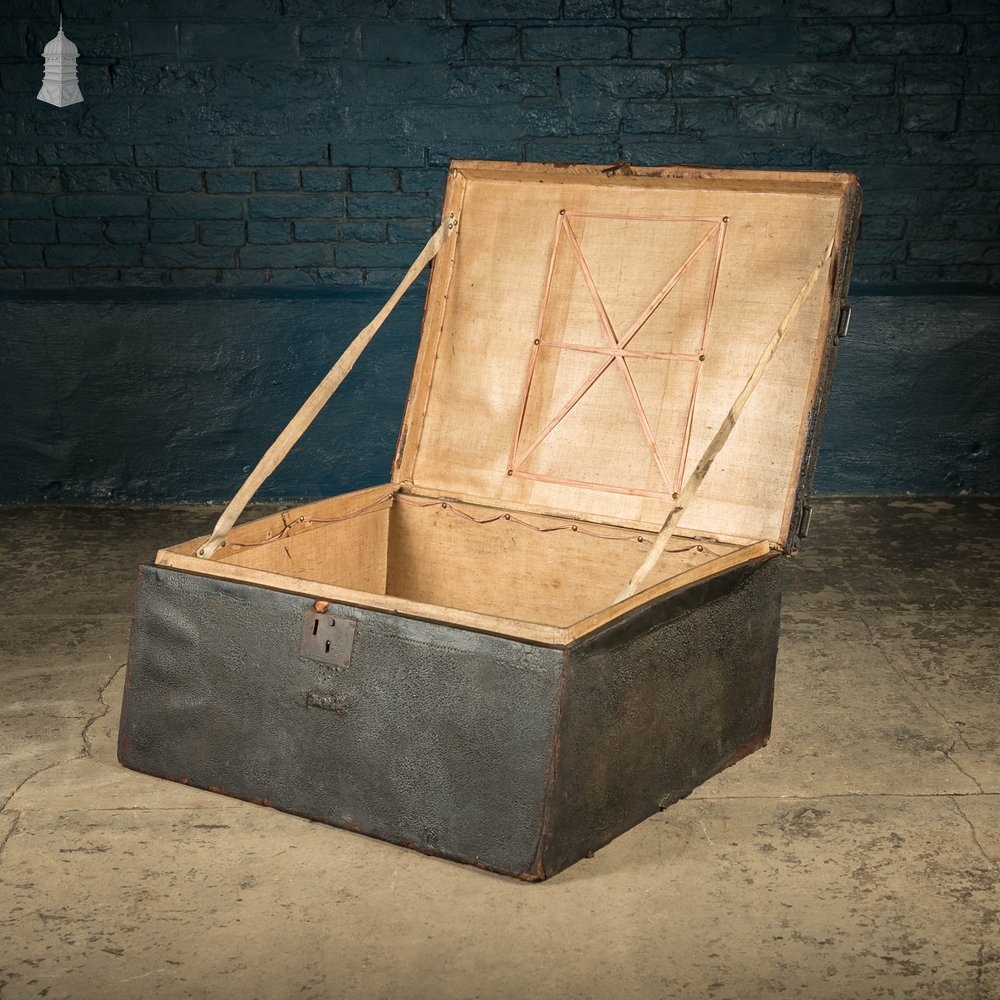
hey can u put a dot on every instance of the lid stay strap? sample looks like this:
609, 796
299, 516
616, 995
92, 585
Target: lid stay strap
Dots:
691, 487
297, 426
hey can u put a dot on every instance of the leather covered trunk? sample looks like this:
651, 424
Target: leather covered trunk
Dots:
562, 611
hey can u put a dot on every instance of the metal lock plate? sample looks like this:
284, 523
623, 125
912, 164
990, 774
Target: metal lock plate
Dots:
327, 638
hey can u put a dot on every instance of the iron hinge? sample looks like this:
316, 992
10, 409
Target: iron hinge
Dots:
805, 519
843, 322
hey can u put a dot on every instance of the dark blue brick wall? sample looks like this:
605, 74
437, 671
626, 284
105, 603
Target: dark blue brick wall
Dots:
183, 255
298, 120
142, 395
164, 395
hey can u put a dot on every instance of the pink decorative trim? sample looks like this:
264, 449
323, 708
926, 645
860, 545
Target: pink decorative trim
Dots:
667, 288
689, 423
617, 358
604, 488
617, 351
646, 218
534, 350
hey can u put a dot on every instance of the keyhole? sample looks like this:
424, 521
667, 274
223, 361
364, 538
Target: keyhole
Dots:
328, 645
315, 626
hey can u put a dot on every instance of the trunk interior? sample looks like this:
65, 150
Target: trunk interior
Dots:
526, 567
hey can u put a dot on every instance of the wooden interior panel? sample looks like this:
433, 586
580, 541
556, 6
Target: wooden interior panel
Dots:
469, 391
423, 560
506, 568
327, 540
348, 554
531, 568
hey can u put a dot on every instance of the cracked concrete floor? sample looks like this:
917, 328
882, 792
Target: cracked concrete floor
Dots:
858, 855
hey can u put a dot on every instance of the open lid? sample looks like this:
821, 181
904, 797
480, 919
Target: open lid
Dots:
588, 329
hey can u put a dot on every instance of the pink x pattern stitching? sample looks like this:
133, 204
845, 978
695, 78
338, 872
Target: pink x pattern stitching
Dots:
618, 350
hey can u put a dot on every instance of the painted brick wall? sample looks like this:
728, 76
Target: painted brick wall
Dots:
139, 396
183, 255
300, 143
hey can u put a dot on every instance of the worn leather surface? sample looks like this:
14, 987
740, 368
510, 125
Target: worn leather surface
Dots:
450, 741
434, 737
658, 702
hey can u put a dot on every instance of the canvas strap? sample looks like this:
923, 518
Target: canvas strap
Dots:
297, 426
691, 487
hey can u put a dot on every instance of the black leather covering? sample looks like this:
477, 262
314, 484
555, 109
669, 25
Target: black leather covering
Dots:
660, 701
438, 738
512, 756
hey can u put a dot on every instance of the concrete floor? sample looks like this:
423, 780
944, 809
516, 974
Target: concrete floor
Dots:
858, 855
